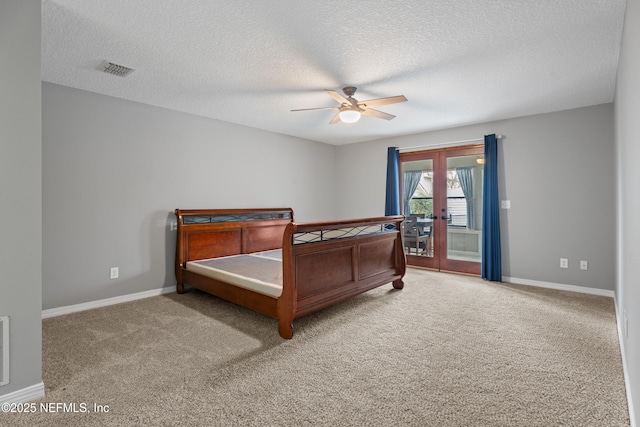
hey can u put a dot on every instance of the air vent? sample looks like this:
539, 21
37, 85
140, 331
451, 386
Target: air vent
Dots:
115, 69
4, 350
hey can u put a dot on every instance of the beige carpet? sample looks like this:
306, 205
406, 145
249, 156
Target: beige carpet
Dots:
447, 350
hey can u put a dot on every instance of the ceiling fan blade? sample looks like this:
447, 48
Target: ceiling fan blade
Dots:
382, 101
320, 108
377, 114
335, 119
335, 95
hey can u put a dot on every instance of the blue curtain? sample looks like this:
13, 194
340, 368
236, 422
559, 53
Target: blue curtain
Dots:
491, 252
410, 181
392, 200
465, 177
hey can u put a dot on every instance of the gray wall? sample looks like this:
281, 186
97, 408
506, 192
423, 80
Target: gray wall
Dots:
20, 189
627, 108
114, 171
558, 171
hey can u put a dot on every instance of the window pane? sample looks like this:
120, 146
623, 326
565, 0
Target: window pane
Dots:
417, 206
464, 208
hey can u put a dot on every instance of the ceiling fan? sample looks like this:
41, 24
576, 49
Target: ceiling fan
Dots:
351, 109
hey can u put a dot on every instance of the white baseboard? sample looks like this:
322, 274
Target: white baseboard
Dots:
27, 394
59, 311
560, 286
621, 340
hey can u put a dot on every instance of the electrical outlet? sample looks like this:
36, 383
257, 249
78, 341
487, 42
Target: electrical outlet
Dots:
173, 226
584, 265
114, 272
505, 204
564, 263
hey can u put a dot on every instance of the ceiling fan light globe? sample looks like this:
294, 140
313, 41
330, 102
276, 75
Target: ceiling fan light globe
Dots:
349, 116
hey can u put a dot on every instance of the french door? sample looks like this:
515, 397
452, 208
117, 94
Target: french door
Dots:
442, 200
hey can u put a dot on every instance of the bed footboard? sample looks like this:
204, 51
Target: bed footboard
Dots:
328, 262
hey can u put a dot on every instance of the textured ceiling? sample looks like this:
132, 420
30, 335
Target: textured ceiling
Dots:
250, 62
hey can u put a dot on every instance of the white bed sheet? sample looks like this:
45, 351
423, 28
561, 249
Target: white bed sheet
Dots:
260, 272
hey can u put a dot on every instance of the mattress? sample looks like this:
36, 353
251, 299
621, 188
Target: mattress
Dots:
260, 272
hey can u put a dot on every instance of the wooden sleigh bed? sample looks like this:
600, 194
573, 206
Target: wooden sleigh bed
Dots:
262, 260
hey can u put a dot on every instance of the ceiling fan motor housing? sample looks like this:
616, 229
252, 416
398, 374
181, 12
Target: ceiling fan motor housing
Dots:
349, 90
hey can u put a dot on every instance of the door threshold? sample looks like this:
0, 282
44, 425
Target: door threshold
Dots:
417, 267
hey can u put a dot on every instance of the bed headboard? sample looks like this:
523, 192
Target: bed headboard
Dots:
213, 233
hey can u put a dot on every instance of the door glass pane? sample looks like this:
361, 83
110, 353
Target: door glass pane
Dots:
464, 208
417, 206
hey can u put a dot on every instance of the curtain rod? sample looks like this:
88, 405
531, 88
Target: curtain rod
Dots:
445, 144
